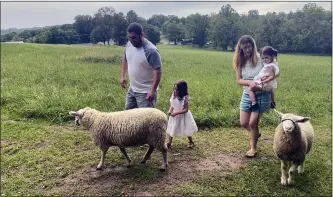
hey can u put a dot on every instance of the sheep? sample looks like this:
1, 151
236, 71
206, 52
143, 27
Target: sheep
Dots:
127, 128
293, 139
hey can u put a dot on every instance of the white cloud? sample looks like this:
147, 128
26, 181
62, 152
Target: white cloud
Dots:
39, 14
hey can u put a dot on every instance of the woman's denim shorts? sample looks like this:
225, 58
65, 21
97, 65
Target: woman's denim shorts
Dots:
263, 100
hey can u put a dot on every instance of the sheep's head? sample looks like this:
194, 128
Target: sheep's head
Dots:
289, 121
78, 115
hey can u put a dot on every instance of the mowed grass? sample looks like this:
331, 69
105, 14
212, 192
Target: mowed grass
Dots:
40, 146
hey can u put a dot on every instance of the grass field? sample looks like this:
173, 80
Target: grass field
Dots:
43, 153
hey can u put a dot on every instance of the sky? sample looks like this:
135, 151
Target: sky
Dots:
40, 14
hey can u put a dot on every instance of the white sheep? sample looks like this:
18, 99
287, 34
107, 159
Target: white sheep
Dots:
128, 128
292, 141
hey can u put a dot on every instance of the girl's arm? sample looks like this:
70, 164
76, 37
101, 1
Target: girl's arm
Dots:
170, 110
241, 81
184, 110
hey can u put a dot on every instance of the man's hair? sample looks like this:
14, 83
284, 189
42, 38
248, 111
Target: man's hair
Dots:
136, 28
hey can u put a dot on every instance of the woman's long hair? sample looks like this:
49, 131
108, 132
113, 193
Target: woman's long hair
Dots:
239, 59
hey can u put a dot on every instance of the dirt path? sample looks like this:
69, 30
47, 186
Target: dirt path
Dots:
119, 180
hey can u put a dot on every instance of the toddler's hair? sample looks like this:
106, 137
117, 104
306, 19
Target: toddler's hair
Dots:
268, 50
181, 88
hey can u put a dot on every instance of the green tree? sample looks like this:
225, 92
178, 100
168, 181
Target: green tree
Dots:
83, 25
197, 28
153, 33
120, 29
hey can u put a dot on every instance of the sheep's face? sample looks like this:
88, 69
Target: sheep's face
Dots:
78, 115
289, 121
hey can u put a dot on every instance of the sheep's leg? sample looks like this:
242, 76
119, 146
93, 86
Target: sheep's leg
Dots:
165, 160
123, 150
104, 150
284, 172
148, 153
300, 168
292, 171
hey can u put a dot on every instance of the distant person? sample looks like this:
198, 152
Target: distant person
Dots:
142, 61
181, 121
265, 80
247, 65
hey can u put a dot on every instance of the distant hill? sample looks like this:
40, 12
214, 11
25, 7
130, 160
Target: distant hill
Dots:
6, 31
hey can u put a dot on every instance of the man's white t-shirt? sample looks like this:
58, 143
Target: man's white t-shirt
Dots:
141, 63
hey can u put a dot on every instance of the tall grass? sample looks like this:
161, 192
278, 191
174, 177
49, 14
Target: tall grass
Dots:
47, 81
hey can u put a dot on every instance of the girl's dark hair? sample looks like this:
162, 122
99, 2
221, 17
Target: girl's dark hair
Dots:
268, 50
181, 88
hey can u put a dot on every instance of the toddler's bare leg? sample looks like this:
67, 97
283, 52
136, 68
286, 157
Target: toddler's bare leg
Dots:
252, 97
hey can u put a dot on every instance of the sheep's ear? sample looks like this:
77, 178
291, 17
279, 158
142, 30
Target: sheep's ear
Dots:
302, 119
279, 113
73, 113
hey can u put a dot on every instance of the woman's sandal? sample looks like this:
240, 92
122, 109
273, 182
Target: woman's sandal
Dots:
251, 154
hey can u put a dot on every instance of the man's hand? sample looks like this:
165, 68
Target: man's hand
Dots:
150, 96
123, 82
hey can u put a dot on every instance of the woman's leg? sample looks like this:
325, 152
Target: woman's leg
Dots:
244, 118
253, 125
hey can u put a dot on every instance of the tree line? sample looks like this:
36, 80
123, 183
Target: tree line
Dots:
307, 30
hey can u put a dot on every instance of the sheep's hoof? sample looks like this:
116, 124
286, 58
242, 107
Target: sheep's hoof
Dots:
128, 165
290, 182
283, 181
99, 168
300, 170
163, 168
143, 162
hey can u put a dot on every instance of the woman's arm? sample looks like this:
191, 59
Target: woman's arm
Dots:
241, 81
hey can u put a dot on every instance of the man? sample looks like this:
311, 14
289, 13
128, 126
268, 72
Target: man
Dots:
142, 61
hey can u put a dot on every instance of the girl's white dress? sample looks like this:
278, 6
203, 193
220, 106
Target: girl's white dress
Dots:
264, 72
182, 124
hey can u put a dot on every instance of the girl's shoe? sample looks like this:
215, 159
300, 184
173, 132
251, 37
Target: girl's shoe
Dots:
190, 145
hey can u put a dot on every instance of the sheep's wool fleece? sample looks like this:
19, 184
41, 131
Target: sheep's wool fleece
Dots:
127, 128
295, 146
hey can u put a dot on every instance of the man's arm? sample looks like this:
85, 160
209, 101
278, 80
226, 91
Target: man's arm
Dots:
154, 59
123, 72
156, 79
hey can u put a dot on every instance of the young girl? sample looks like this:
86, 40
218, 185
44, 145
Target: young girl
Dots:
181, 121
265, 80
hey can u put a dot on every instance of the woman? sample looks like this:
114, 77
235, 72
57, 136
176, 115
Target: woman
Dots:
247, 64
